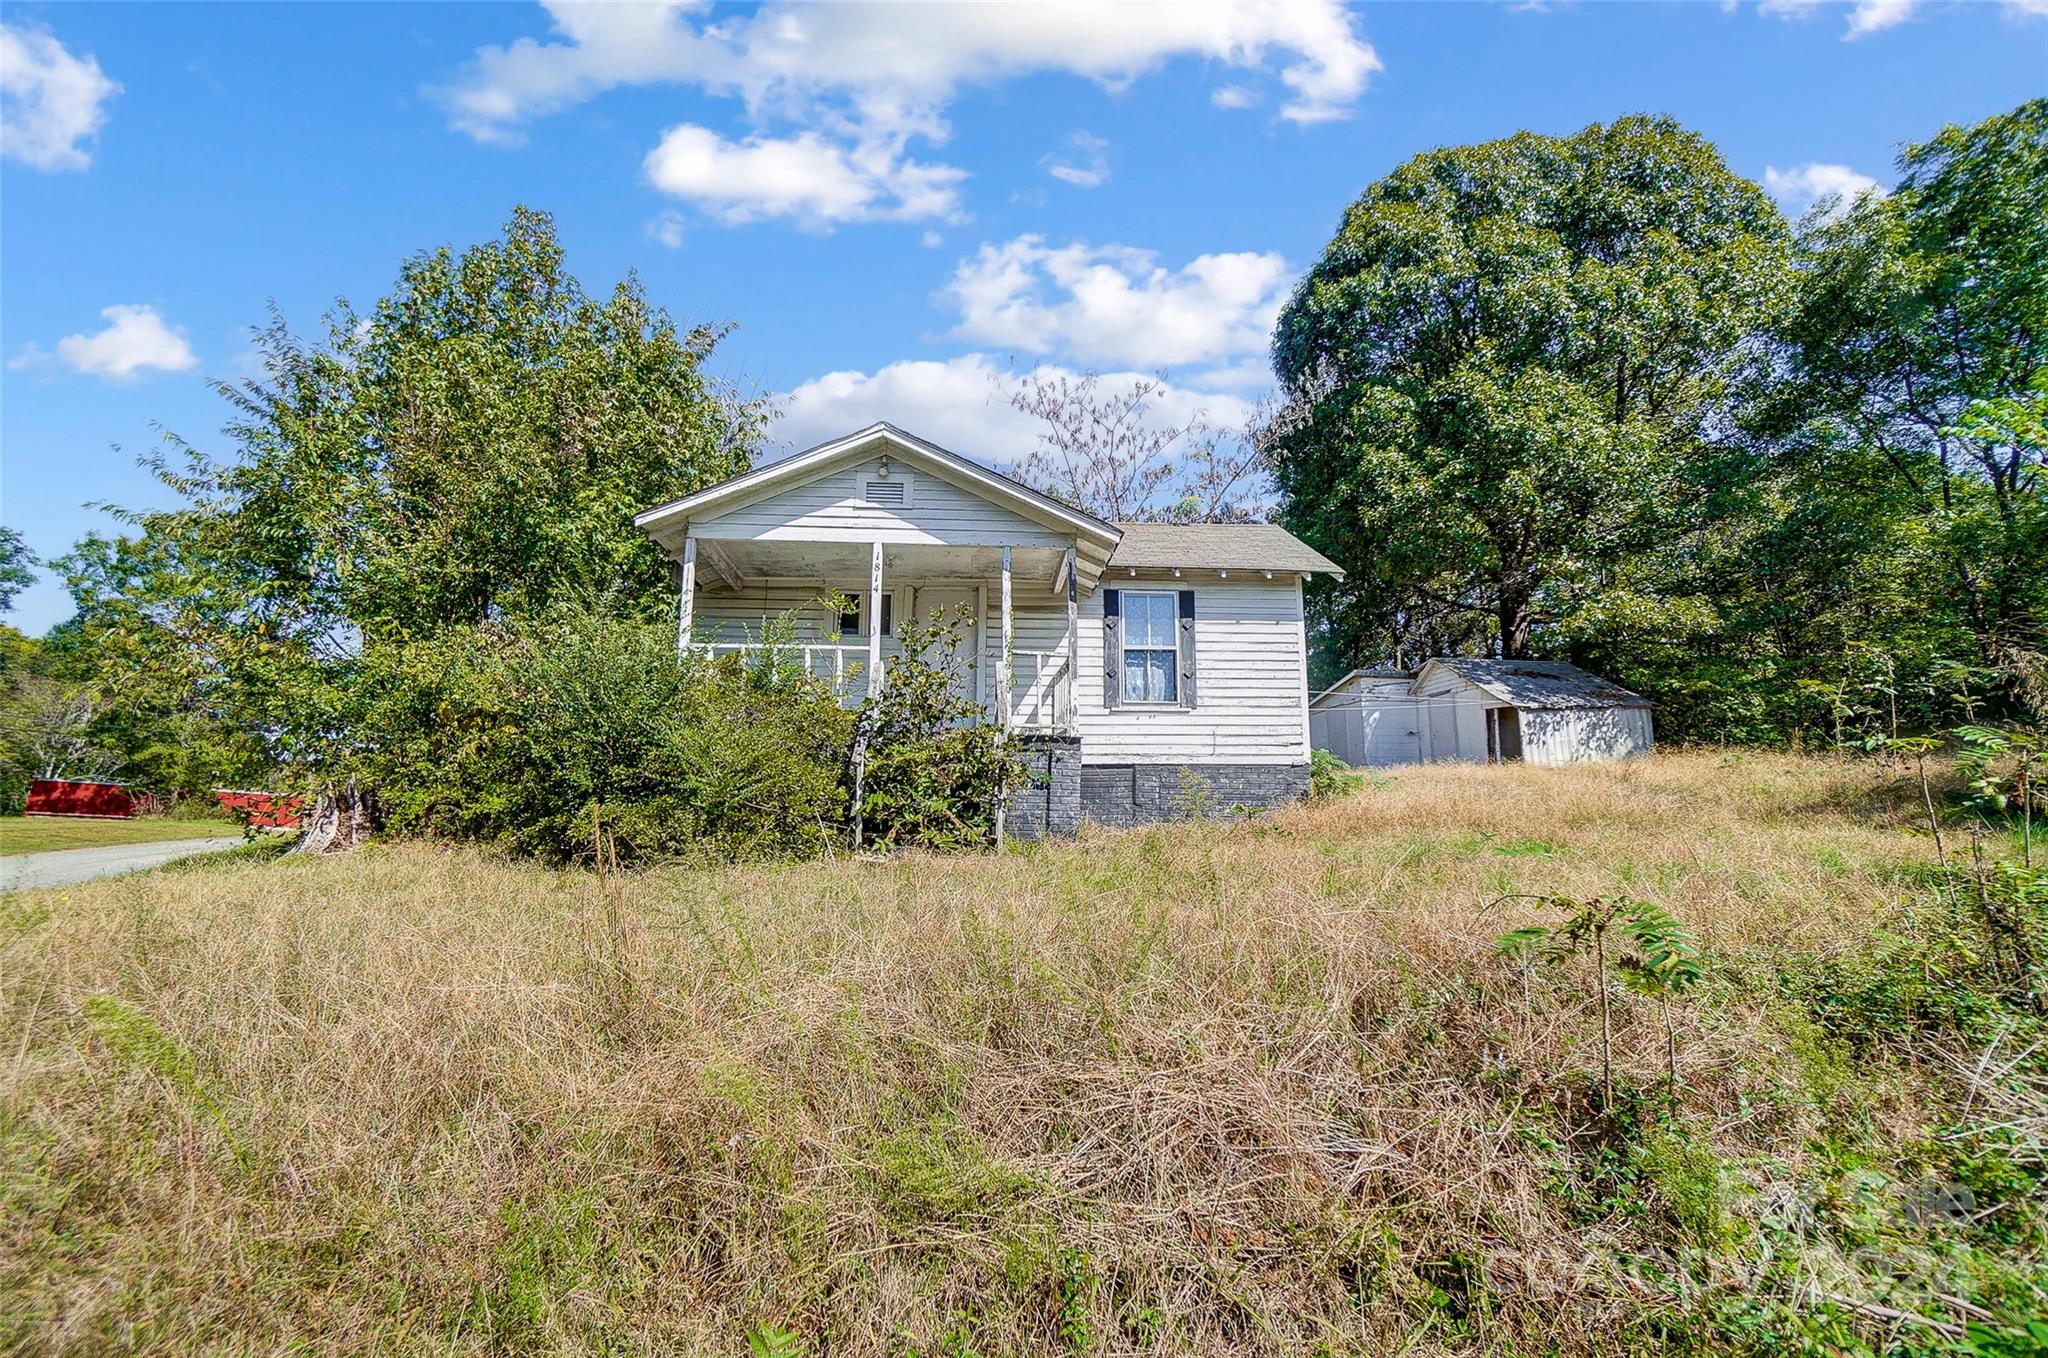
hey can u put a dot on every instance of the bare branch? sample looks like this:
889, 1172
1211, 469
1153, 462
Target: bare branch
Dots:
1105, 449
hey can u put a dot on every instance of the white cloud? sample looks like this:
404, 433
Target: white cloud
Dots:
1800, 187
863, 80
806, 177
1870, 16
956, 404
1087, 165
32, 358
892, 62
667, 229
2017, 10
52, 104
1114, 304
134, 341
1865, 16
1234, 96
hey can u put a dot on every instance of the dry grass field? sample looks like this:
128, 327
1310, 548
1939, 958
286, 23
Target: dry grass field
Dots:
1262, 1088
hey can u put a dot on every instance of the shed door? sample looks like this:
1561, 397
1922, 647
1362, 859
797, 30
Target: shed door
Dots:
1443, 729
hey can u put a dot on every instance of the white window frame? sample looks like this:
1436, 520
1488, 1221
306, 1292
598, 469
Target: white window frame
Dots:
1172, 651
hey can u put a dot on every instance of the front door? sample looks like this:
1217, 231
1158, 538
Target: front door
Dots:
958, 608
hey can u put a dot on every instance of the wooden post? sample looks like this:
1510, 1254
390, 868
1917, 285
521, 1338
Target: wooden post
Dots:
874, 612
1073, 637
686, 586
984, 680
1006, 679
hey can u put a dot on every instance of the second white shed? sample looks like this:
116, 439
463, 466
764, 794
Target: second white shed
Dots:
1481, 711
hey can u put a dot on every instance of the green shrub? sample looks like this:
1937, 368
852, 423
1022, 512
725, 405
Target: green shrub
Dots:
1330, 777
528, 735
1963, 959
934, 771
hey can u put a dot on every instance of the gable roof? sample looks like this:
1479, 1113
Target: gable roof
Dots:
665, 523
1217, 546
1538, 683
1384, 679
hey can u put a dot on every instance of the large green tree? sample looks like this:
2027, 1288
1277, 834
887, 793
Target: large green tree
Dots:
470, 450
1502, 372
17, 567
1906, 400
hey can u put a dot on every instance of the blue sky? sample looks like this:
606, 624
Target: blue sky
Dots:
891, 202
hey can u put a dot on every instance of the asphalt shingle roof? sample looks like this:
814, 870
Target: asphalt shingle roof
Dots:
1217, 546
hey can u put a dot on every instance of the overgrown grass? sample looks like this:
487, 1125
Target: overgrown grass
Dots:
40, 834
1263, 1088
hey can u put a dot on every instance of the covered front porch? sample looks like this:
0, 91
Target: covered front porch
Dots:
1014, 606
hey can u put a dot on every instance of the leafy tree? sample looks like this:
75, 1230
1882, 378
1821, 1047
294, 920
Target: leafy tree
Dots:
47, 725
1502, 372
1905, 401
17, 567
470, 450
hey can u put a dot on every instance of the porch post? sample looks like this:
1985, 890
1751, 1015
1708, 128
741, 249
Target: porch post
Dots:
1073, 635
984, 678
1006, 678
686, 588
874, 615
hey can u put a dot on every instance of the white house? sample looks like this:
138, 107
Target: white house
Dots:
1138, 655
1480, 711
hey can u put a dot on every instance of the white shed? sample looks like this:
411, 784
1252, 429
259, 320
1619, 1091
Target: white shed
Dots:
1481, 711
1368, 718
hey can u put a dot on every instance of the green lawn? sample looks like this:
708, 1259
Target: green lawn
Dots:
36, 834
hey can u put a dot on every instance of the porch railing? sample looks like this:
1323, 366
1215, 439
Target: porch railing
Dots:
1039, 700
1039, 696
845, 668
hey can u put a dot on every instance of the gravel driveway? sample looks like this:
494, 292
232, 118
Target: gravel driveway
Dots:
66, 866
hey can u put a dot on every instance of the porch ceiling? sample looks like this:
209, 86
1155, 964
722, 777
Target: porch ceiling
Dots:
846, 563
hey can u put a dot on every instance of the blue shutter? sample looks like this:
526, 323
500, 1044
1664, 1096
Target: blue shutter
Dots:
1187, 648
1112, 649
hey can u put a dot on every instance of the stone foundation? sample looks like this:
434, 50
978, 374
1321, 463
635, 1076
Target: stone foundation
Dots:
1062, 791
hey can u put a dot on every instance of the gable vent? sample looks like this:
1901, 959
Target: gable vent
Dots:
891, 492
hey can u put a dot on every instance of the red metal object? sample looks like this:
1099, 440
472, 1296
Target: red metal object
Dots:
264, 810
70, 797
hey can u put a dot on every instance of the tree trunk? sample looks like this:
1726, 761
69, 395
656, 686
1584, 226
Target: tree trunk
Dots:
341, 820
857, 769
1516, 621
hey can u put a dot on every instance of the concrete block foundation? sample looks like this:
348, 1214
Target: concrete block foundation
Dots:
1062, 791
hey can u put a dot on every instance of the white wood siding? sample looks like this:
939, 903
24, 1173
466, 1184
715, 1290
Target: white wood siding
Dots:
1251, 678
829, 508
1250, 649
